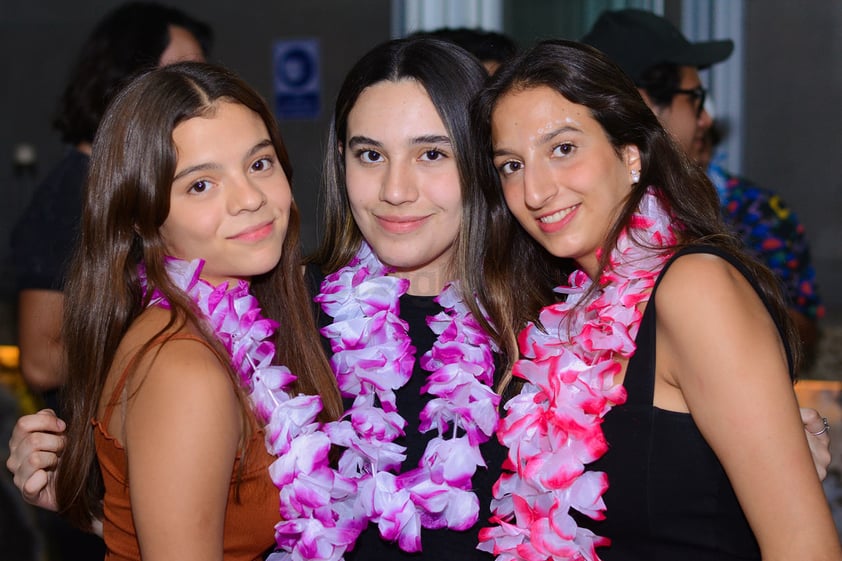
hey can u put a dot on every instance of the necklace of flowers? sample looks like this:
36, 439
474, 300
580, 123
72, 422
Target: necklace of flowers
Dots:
553, 427
373, 357
316, 522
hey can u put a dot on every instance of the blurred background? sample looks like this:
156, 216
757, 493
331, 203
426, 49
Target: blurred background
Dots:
778, 98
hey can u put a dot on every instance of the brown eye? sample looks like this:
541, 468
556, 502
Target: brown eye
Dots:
564, 149
262, 164
510, 167
199, 187
433, 155
370, 156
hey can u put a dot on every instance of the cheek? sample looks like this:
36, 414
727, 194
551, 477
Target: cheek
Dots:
444, 190
514, 200
282, 198
174, 239
357, 187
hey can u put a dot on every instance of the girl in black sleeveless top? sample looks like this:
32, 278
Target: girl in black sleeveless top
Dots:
687, 415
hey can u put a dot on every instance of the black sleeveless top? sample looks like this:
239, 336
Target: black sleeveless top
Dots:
668, 496
442, 544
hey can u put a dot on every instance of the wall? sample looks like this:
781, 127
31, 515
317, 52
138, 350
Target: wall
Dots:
794, 122
39, 40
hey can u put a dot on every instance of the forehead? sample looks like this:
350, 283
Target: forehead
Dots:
223, 127
539, 106
394, 105
688, 77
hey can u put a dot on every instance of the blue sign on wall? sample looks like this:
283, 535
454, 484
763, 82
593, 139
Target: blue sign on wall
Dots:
296, 81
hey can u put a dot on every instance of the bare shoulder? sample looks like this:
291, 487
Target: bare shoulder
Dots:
180, 356
712, 324
704, 284
177, 364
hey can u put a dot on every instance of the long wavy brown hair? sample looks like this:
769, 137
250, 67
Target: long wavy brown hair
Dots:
127, 198
518, 275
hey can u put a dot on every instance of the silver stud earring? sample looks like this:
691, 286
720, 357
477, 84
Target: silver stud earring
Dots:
635, 175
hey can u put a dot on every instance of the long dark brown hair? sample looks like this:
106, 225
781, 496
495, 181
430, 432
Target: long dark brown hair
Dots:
584, 76
449, 75
127, 199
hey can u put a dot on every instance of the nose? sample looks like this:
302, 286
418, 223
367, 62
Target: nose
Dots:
244, 195
398, 184
539, 185
704, 121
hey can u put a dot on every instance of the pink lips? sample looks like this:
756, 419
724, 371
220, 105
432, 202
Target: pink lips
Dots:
255, 233
400, 224
552, 227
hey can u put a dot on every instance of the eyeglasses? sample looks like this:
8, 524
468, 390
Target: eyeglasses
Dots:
698, 95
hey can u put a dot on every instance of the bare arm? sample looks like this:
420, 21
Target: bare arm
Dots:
183, 428
723, 352
39, 338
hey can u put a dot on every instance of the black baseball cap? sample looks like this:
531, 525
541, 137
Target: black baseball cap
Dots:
638, 40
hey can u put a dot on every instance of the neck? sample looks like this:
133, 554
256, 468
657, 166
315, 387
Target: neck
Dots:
425, 282
589, 265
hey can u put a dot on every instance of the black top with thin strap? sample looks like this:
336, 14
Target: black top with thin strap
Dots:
443, 544
668, 497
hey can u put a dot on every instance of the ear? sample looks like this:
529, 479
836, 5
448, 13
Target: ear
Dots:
631, 157
341, 146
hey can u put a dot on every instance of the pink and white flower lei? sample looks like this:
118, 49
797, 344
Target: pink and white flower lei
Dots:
374, 357
553, 427
317, 521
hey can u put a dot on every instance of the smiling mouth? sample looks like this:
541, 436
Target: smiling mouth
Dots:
255, 233
558, 215
401, 224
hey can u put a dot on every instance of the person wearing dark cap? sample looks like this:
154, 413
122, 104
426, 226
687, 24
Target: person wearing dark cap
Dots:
665, 66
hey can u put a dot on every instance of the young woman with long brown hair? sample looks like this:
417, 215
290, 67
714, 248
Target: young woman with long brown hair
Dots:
187, 262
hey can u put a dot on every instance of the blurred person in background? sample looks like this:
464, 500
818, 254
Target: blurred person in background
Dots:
665, 66
490, 47
132, 37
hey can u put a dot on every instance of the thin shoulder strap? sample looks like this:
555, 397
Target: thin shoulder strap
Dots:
714, 250
640, 374
121, 383
711, 249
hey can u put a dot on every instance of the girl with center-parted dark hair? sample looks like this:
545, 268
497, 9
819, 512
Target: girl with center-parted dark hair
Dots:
401, 215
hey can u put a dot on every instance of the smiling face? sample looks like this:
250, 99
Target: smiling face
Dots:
403, 182
230, 199
562, 178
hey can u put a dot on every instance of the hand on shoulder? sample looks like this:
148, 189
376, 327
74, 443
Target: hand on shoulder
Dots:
34, 449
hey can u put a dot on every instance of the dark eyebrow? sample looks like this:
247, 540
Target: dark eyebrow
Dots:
356, 140
424, 139
544, 138
431, 139
208, 166
265, 143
